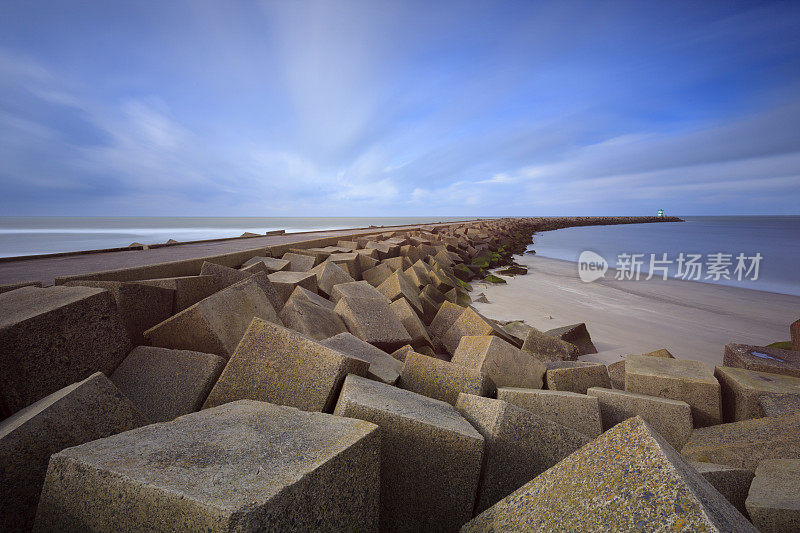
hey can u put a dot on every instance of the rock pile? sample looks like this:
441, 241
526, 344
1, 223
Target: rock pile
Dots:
352, 387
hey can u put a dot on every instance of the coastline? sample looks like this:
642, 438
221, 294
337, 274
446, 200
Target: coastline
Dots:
692, 320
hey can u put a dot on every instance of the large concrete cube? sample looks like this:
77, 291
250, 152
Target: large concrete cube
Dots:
411, 321
576, 376
678, 379
372, 321
300, 262
53, 337
214, 325
745, 444
549, 348
762, 359
575, 334
443, 320
330, 274
382, 366
277, 365
244, 466
430, 456
774, 498
469, 322
671, 418
520, 445
627, 479
504, 363
442, 380
399, 286
90, 409
310, 318
356, 289
188, 289
165, 384
743, 389
576, 411
733, 483
286, 282
272, 264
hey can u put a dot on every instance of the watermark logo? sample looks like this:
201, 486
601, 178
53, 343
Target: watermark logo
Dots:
693, 267
591, 266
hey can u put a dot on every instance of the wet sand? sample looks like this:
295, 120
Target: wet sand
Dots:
692, 320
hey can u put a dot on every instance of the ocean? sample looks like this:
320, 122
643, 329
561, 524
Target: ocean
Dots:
719, 241
46, 235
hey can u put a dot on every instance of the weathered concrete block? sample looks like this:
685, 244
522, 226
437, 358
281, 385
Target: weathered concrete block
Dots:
504, 363
744, 444
165, 384
90, 409
7, 287
401, 353
774, 498
214, 325
517, 329
140, 306
679, 379
430, 456
285, 282
418, 275
629, 478
311, 319
473, 324
312, 297
277, 365
742, 389
272, 264
377, 274
350, 245
671, 418
188, 289
410, 320
356, 289
398, 286
733, 483
300, 262
244, 466
444, 319
228, 276
576, 411
616, 372
442, 380
351, 262
431, 300
397, 263
779, 404
576, 376
575, 334
520, 445
53, 337
548, 348
330, 274
372, 321
382, 366
762, 359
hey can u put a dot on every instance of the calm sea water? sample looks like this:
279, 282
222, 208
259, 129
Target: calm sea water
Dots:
44, 235
776, 238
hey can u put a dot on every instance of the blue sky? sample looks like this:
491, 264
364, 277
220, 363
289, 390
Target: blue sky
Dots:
399, 108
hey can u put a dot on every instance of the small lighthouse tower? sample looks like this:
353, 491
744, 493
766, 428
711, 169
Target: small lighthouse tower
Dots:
661, 213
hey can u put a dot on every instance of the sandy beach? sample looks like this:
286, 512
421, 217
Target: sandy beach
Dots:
692, 320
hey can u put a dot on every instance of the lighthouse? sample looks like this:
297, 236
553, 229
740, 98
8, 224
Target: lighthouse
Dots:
661, 213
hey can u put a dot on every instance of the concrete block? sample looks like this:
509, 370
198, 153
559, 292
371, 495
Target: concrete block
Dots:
382, 366
410, 320
745, 444
372, 321
430, 456
7, 287
349, 261
277, 365
90, 409
165, 384
312, 297
285, 282
356, 289
780, 404
470, 323
505, 364
627, 479
431, 300
732, 483
188, 289
214, 325
616, 372
226, 277
350, 245
244, 466
397, 263
140, 306
442, 380
377, 274
519, 445
762, 359
310, 318
517, 329
300, 262
330, 274
671, 418
742, 390
272, 264
576, 376
774, 498
678, 379
576, 411
548, 348
398, 286
575, 334
443, 320
363, 263
53, 337
401, 353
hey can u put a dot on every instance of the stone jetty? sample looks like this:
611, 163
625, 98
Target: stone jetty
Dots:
344, 382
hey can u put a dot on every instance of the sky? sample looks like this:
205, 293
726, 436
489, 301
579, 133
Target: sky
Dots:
380, 108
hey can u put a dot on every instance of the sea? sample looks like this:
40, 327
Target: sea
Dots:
718, 241
755, 252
